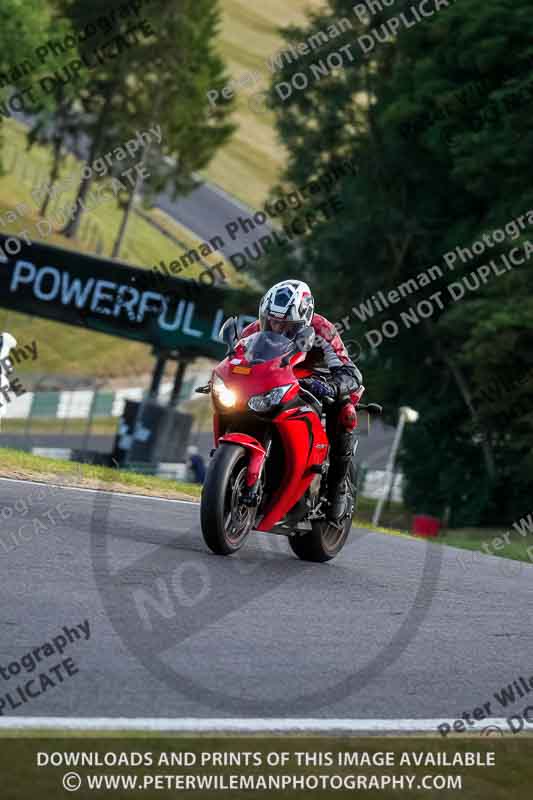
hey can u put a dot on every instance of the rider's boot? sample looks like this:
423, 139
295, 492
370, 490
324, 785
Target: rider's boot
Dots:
340, 458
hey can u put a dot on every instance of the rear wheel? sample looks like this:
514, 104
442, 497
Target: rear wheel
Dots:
325, 540
225, 521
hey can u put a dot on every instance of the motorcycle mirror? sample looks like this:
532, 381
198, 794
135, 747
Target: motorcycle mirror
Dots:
229, 333
305, 339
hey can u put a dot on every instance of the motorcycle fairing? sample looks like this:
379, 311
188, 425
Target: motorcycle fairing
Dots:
256, 450
305, 445
264, 378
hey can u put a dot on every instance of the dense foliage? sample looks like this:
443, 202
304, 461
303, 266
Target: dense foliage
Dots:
158, 74
438, 120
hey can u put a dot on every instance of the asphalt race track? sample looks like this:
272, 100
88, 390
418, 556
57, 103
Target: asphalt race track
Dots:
207, 210
392, 629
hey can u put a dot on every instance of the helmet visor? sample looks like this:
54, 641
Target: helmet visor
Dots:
284, 327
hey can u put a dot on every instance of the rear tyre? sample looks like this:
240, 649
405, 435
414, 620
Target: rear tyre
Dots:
325, 540
225, 522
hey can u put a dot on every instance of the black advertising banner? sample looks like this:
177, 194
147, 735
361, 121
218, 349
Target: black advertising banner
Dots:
113, 298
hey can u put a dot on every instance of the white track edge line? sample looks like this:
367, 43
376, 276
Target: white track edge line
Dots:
192, 725
101, 491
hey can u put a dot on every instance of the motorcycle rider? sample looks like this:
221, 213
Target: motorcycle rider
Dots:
286, 308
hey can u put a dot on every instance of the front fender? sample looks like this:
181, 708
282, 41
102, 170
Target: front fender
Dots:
256, 450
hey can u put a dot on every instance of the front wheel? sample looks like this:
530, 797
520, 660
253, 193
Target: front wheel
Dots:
225, 521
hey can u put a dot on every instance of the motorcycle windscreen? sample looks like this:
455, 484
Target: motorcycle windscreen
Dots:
265, 346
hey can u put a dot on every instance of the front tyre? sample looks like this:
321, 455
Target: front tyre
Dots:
225, 521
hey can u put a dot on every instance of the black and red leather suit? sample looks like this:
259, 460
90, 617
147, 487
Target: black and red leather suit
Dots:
329, 358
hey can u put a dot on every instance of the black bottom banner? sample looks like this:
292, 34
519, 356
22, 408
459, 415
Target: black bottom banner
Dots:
296, 766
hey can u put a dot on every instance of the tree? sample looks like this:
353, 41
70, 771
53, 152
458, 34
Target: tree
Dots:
21, 31
54, 121
190, 134
415, 198
54, 127
176, 64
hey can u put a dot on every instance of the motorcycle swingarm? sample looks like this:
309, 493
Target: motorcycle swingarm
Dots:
291, 530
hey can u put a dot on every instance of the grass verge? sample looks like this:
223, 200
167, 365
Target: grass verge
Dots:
394, 515
395, 520
475, 538
25, 466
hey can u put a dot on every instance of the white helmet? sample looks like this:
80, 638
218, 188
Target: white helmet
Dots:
286, 308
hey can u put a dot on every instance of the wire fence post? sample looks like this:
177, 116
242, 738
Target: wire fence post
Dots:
90, 417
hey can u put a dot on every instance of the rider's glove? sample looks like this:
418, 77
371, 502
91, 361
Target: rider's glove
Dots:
347, 379
319, 388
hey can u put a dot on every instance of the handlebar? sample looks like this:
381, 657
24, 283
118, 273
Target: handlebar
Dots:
372, 408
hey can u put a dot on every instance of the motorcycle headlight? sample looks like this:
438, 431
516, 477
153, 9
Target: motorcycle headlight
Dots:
266, 402
226, 397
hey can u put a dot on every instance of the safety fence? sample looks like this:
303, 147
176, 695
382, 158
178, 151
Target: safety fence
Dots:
84, 403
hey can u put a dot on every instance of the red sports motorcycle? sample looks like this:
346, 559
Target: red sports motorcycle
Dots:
269, 469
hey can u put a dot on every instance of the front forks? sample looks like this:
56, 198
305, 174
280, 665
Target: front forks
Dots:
253, 495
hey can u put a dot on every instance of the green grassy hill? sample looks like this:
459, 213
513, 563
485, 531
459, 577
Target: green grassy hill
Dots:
69, 350
252, 162
247, 167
